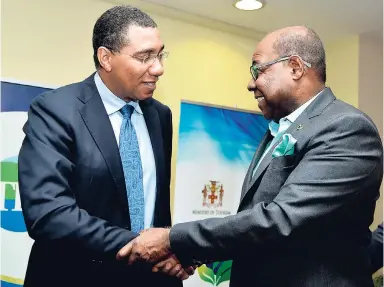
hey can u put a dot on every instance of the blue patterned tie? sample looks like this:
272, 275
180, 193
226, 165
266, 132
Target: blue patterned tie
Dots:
133, 171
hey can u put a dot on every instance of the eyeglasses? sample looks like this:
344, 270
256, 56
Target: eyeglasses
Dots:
255, 69
147, 59
151, 58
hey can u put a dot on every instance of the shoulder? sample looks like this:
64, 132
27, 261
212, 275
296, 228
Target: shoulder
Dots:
346, 109
159, 106
163, 111
355, 119
63, 97
340, 115
62, 102
342, 128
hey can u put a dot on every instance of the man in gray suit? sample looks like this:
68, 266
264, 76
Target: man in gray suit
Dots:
309, 195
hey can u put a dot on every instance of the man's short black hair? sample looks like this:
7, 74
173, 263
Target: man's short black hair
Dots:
111, 28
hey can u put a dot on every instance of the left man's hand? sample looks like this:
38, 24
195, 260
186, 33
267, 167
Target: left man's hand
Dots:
152, 246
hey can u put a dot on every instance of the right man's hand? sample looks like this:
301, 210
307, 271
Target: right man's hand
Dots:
172, 267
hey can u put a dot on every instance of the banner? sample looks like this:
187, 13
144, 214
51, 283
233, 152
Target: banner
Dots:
15, 242
215, 149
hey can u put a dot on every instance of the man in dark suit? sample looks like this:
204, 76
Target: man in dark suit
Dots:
94, 167
309, 195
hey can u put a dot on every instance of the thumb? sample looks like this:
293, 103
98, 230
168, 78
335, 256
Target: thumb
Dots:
124, 252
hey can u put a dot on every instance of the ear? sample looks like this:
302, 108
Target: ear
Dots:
104, 56
297, 67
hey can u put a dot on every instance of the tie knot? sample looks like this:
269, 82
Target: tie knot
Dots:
127, 111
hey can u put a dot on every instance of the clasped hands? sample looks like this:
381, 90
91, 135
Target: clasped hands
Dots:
153, 247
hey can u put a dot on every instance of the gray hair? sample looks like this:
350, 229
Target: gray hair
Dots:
308, 46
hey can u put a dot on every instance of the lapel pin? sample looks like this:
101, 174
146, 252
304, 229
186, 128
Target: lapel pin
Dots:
299, 127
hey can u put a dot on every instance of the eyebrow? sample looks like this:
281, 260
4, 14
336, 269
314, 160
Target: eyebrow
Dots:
149, 51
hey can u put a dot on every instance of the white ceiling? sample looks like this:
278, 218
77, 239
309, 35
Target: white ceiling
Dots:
331, 19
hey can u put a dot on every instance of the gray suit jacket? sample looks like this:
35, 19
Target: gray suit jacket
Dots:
303, 219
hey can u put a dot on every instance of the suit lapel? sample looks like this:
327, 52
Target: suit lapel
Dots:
259, 152
298, 126
152, 121
97, 121
301, 120
268, 157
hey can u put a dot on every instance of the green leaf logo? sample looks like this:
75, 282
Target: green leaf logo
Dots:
215, 273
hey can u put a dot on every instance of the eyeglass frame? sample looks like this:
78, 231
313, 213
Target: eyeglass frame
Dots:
255, 68
164, 55
144, 61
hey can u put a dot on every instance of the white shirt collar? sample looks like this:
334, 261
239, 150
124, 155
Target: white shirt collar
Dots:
111, 102
285, 122
296, 113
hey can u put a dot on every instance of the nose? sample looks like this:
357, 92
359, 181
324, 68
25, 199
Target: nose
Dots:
156, 69
251, 85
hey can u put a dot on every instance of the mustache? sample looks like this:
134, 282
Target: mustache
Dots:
255, 90
258, 93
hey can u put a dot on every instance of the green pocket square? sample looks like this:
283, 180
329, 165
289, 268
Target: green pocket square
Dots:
285, 147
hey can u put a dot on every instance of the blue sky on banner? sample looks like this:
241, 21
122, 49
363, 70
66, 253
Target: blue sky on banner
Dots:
235, 133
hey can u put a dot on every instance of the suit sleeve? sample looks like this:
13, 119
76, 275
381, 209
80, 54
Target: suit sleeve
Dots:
342, 165
48, 202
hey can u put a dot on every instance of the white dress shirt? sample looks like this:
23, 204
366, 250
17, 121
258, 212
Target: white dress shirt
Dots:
112, 105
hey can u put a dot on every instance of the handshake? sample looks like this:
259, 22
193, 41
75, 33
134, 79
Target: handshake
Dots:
153, 247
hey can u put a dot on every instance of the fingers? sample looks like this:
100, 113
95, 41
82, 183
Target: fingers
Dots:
124, 252
175, 270
128, 253
166, 265
182, 275
172, 267
190, 270
159, 266
150, 246
133, 257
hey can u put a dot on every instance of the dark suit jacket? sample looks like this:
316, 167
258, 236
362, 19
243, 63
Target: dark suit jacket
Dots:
73, 191
303, 219
376, 249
